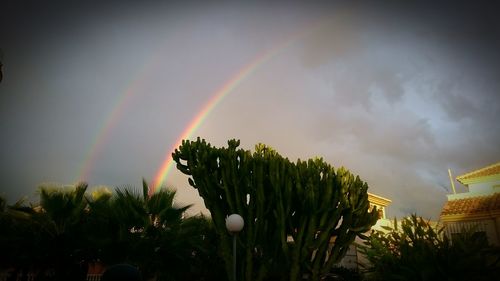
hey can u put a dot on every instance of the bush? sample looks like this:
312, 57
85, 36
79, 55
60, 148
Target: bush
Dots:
417, 251
342, 274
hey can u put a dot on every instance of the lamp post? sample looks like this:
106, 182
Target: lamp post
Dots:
234, 224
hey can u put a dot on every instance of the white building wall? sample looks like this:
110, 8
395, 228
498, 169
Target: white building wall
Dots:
350, 260
483, 187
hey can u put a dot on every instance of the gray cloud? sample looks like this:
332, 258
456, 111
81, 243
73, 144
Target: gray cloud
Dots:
397, 93
419, 95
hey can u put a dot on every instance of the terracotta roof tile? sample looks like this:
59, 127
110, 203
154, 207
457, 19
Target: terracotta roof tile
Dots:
483, 172
472, 205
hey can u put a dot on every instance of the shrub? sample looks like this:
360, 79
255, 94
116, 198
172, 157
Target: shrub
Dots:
416, 250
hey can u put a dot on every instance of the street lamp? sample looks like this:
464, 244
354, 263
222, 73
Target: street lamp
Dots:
234, 224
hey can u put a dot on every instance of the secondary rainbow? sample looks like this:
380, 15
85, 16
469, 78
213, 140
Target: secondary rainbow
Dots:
102, 136
130, 94
124, 101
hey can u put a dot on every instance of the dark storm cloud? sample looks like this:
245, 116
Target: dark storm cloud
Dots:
414, 83
68, 64
396, 91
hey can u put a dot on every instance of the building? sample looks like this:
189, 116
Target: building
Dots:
478, 208
353, 257
381, 203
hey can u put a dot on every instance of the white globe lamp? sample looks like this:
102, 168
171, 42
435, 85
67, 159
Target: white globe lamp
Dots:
234, 223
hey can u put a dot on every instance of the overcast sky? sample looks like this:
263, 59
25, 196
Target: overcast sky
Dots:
396, 93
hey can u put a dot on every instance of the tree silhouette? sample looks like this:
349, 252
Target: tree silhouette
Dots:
300, 218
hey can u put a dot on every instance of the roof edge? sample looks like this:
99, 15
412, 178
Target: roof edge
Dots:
479, 179
468, 217
376, 199
462, 178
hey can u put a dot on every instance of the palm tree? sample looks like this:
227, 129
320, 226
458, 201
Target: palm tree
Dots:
147, 226
18, 239
180, 248
147, 230
100, 227
6, 235
59, 219
62, 208
68, 228
205, 262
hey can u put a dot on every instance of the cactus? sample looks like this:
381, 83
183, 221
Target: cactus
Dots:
308, 201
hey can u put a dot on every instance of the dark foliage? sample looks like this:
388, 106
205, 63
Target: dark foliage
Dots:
416, 251
70, 229
300, 216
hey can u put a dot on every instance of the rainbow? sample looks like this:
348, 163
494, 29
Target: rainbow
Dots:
219, 95
227, 88
124, 101
102, 135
